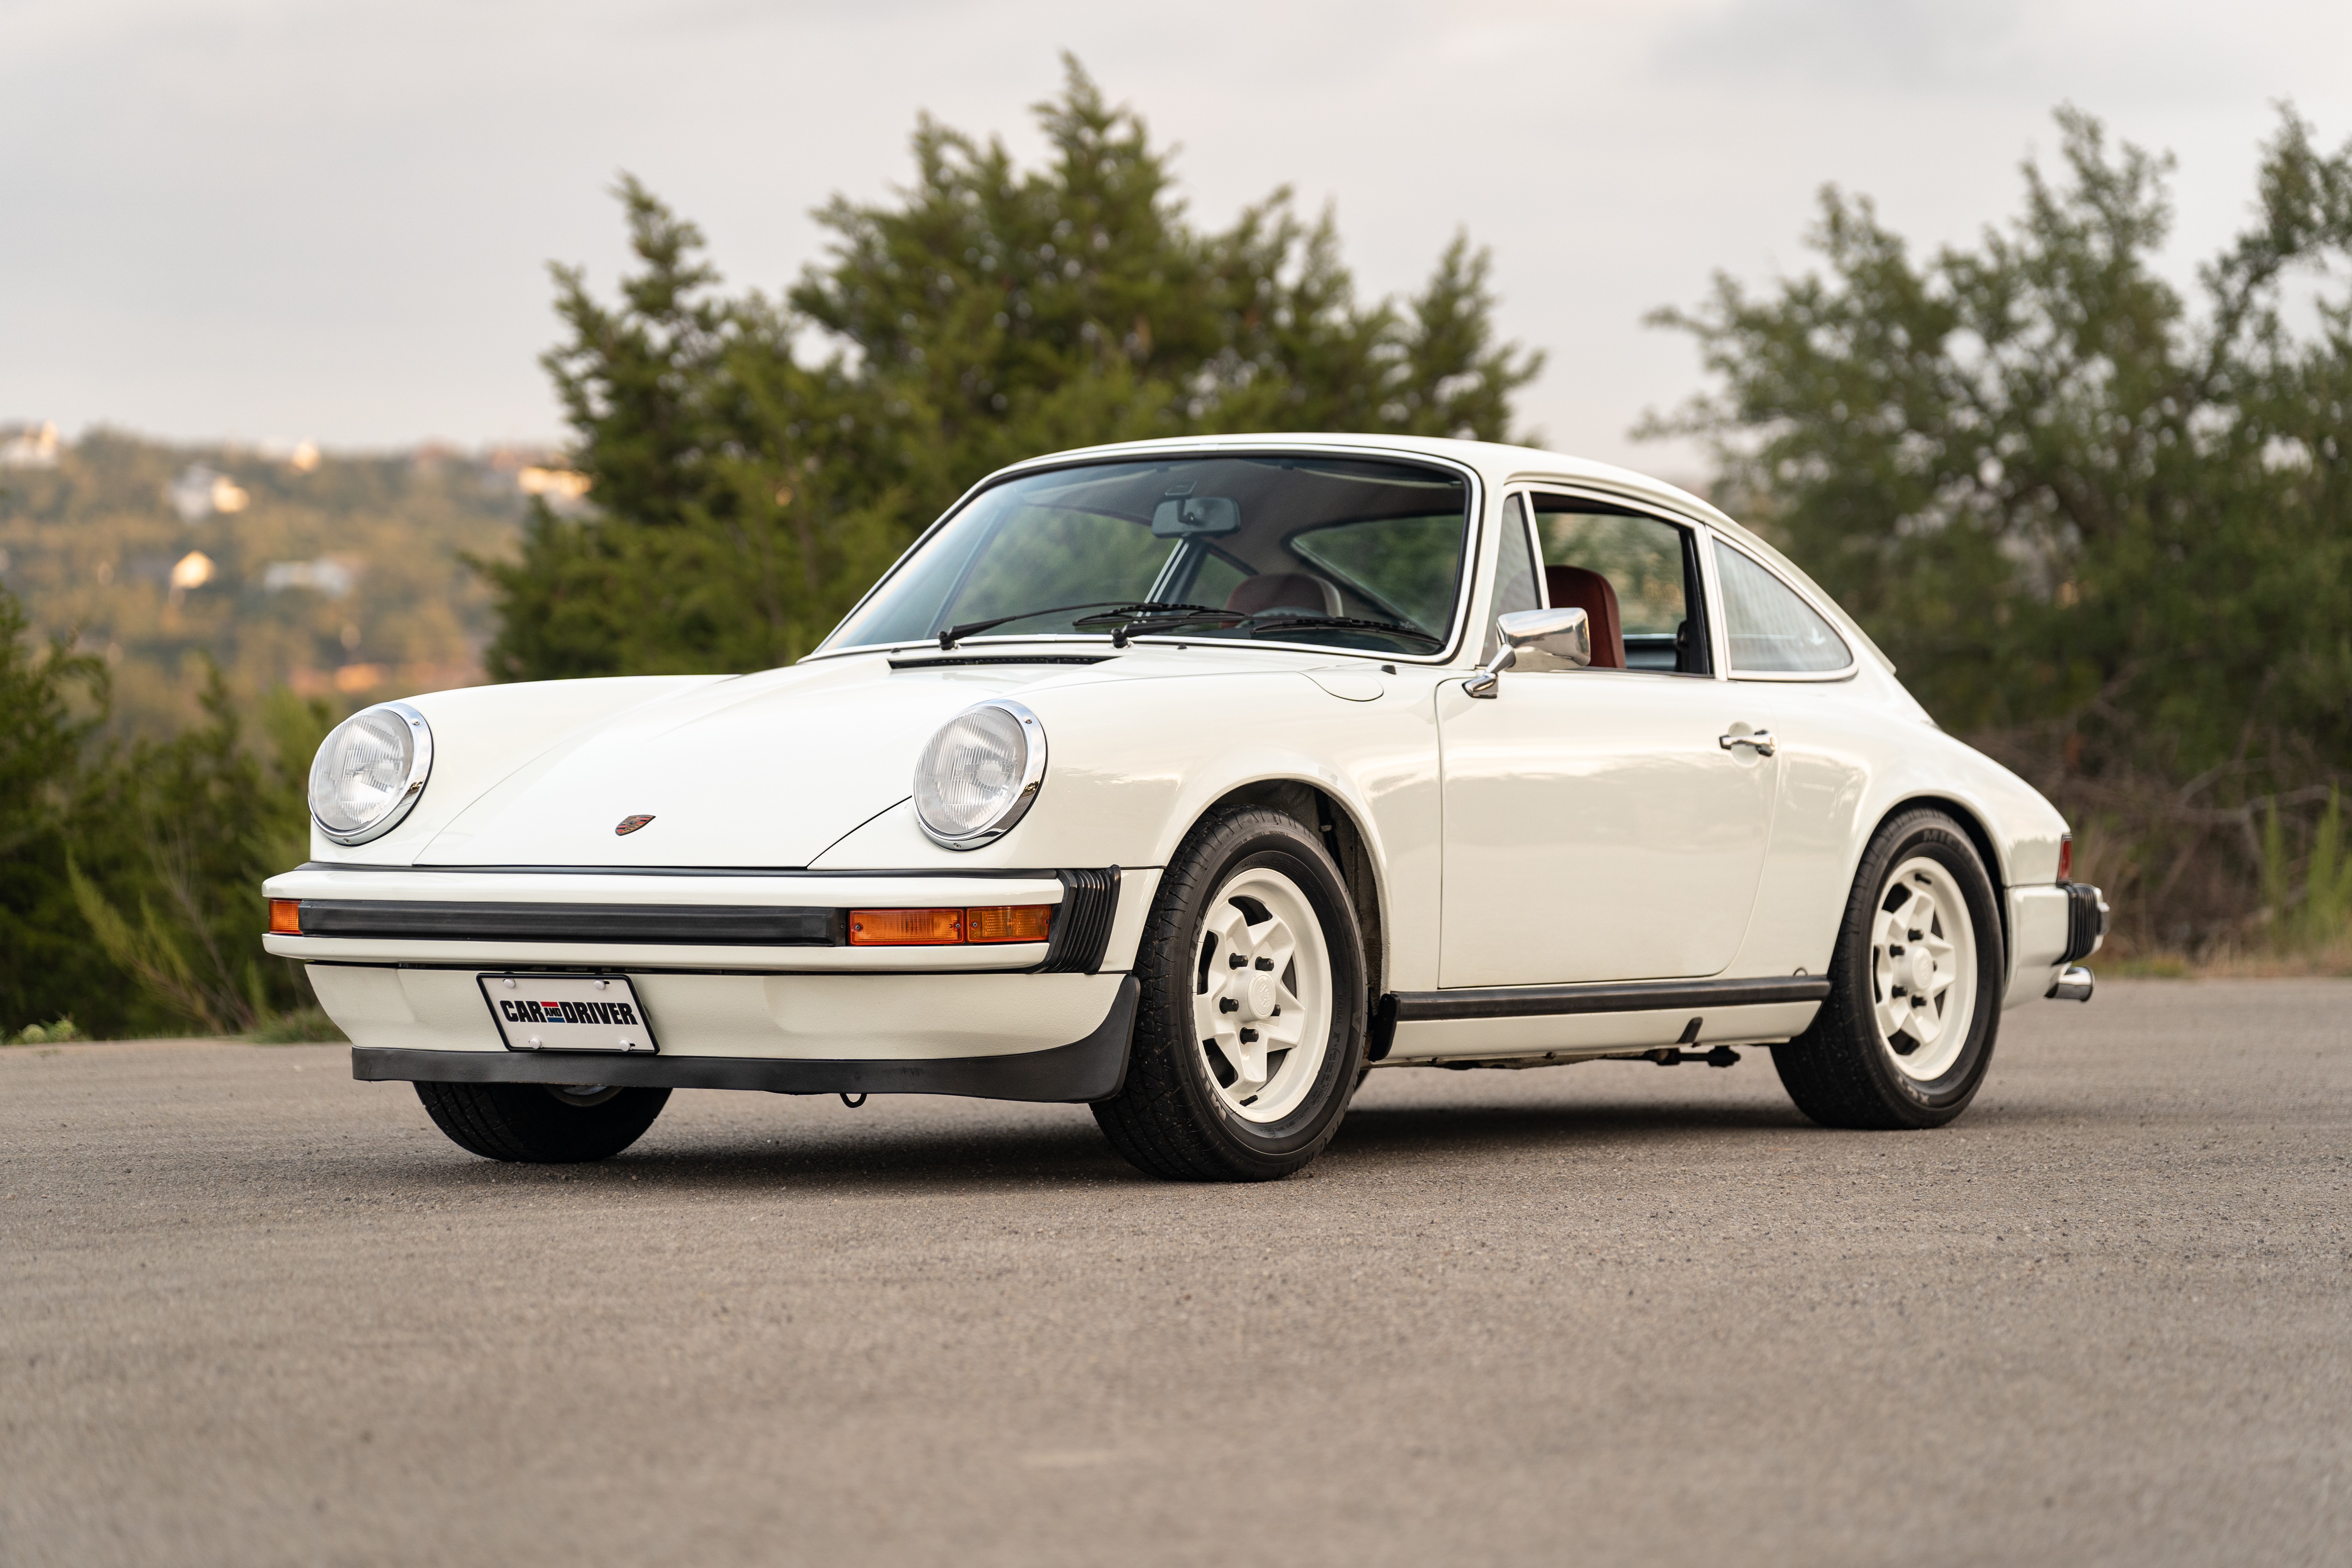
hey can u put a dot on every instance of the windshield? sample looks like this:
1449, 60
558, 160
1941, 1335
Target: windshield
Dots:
1338, 552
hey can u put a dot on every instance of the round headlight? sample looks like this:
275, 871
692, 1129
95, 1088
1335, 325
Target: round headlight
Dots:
978, 774
369, 771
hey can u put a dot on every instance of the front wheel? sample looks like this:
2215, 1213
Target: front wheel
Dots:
1249, 1037
541, 1123
1907, 1033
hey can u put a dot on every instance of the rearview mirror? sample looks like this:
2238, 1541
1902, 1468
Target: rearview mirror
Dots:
1196, 517
1535, 639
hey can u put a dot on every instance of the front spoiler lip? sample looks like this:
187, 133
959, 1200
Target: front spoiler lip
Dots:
1092, 1068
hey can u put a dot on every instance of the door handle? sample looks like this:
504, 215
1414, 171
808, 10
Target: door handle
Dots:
1762, 740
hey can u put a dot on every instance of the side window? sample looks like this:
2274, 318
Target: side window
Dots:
1514, 573
1636, 579
1772, 631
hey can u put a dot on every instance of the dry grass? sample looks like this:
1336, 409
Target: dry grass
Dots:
2227, 963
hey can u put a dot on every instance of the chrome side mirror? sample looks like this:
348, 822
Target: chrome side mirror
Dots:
1535, 639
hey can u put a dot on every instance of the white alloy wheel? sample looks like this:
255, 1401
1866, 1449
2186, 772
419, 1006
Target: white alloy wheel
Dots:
1923, 969
1261, 1007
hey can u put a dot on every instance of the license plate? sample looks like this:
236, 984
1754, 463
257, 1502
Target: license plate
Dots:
568, 1013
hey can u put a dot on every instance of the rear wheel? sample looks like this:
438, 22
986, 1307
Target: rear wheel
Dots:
541, 1123
1907, 1034
1249, 1038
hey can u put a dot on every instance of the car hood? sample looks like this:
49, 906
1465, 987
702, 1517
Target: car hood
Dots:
765, 771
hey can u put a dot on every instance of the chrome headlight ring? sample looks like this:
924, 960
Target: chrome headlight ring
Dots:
980, 773
405, 761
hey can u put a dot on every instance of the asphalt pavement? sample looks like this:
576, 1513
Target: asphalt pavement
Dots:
254, 1312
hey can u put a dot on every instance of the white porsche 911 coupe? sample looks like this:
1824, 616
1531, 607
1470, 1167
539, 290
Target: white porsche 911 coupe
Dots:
1191, 780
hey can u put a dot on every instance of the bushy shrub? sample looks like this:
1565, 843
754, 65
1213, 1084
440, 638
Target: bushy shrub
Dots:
130, 875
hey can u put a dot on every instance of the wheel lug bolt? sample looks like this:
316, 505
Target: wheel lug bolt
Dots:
1249, 1037
1238, 962
1265, 963
1227, 1005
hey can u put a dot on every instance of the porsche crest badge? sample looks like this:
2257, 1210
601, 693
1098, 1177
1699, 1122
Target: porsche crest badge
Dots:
630, 825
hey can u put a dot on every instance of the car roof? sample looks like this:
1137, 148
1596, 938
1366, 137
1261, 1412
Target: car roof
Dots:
1495, 462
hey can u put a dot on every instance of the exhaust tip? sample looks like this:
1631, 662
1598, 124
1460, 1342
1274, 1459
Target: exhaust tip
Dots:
2074, 984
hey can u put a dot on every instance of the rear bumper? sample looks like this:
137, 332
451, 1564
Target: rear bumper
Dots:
2051, 929
1091, 1068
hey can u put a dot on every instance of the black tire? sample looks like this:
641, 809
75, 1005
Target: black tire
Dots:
1841, 1072
541, 1123
1169, 1120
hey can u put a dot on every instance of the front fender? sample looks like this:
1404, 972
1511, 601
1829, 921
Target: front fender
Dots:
1133, 765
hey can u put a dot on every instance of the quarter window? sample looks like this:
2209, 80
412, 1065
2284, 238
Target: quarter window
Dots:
1772, 631
1515, 573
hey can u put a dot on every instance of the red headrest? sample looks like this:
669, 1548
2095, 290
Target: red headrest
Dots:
1574, 588
1283, 590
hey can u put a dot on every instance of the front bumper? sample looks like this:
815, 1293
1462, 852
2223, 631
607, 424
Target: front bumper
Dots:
779, 921
746, 977
1091, 1068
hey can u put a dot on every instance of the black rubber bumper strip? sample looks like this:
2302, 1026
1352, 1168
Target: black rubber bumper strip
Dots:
1638, 996
1082, 925
685, 925
1088, 1069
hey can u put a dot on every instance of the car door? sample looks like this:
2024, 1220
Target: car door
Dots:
1603, 824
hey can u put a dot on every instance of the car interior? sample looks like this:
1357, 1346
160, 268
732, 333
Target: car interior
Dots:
1636, 577
1273, 537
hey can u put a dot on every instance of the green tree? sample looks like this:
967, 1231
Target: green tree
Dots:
736, 502
184, 832
744, 497
51, 702
2101, 528
131, 876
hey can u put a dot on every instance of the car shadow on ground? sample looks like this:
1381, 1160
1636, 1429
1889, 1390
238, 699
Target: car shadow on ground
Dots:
896, 1156
1498, 1129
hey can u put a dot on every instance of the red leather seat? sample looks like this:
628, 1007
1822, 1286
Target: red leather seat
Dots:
1283, 590
1574, 588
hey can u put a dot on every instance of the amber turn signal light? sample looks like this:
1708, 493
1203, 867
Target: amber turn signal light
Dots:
1009, 922
946, 928
286, 917
904, 928
2066, 857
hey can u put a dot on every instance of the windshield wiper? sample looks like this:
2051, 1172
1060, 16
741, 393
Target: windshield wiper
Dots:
1274, 620
1145, 616
1262, 622
1114, 609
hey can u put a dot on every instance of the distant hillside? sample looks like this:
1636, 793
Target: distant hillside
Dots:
337, 575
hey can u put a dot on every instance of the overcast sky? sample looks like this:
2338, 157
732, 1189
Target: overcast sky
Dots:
292, 218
